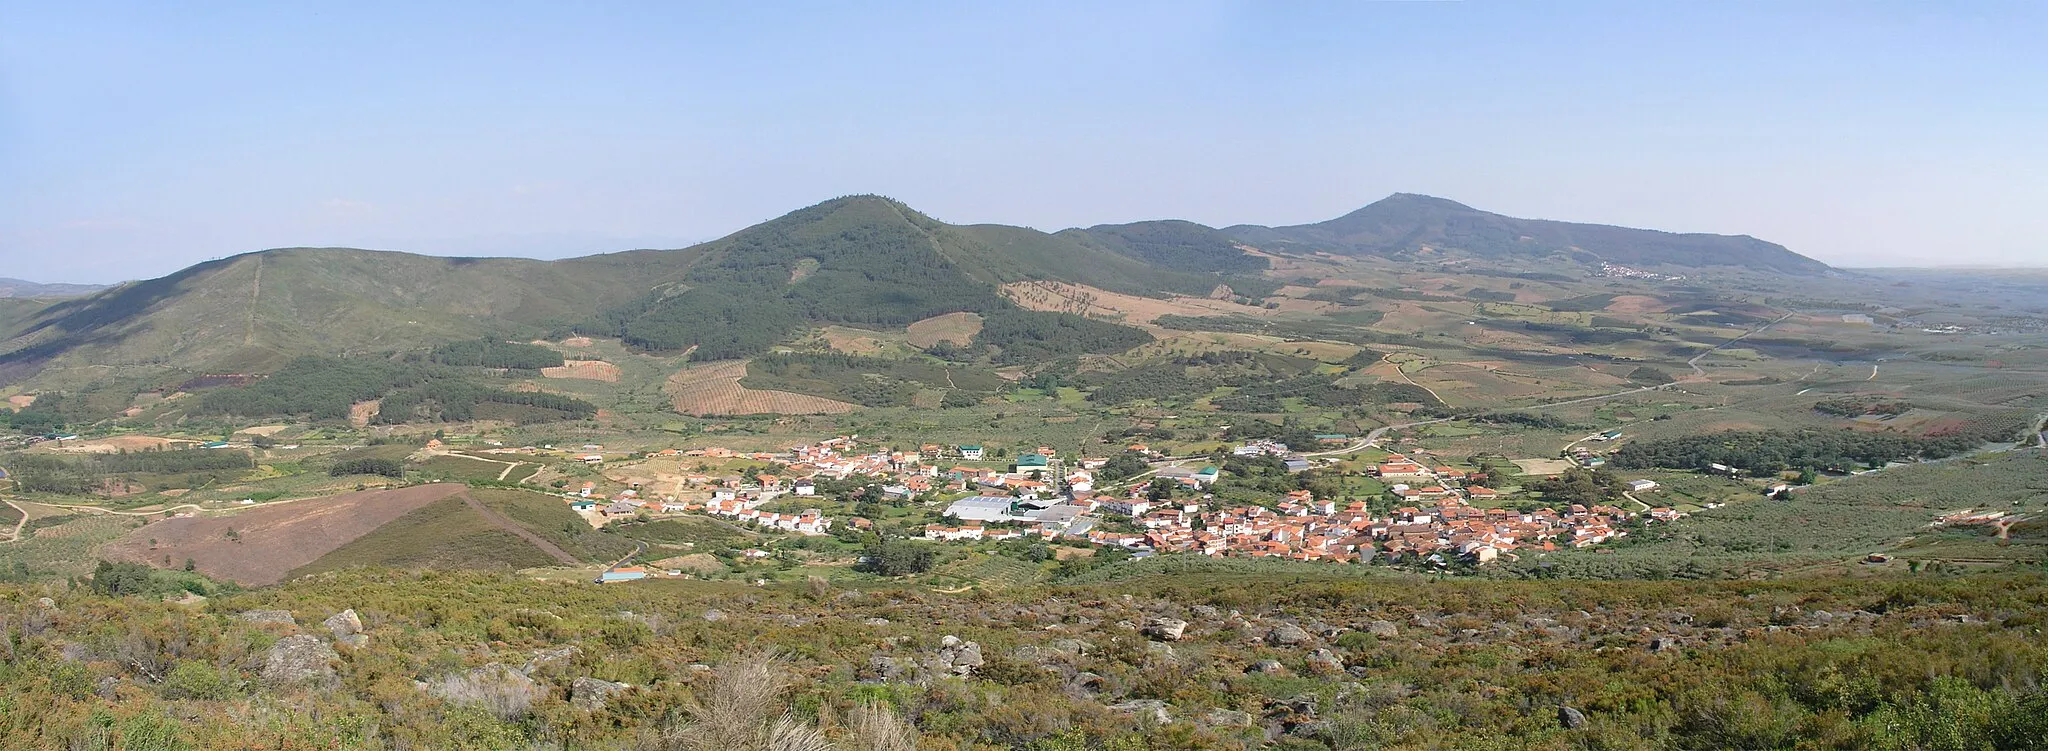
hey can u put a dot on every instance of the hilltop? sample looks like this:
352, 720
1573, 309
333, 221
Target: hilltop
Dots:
1405, 224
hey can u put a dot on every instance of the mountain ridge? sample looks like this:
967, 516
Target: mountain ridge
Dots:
861, 260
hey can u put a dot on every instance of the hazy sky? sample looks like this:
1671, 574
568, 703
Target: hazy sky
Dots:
139, 138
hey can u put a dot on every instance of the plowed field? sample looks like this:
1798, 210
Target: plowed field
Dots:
714, 389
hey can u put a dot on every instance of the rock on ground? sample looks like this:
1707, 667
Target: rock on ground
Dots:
1287, 635
591, 694
1571, 719
1166, 629
299, 660
344, 623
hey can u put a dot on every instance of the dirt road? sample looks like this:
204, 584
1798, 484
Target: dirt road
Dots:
498, 520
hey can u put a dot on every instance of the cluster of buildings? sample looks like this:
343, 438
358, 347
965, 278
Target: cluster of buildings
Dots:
1040, 496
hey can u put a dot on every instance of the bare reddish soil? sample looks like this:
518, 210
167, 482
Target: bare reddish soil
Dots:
270, 542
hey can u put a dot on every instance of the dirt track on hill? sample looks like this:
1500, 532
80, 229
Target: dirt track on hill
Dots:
498, 520
269, 543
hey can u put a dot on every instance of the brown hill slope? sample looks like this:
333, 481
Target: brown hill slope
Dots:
261, 546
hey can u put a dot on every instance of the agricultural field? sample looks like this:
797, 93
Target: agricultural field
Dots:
956, 328
714, 389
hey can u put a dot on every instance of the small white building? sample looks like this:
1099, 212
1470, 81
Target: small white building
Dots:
1638, 486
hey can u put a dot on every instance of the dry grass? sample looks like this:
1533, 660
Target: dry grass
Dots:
852, 341
744, 711
593, 370
117, 444
1637, 304
21, 401
714, 389
1542, 467
958, 328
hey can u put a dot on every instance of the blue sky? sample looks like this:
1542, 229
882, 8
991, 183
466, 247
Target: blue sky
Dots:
138, 138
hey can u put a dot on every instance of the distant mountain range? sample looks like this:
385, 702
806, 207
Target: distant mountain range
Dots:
860, 260
20, 288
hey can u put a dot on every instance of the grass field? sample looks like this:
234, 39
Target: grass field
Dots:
1889, 511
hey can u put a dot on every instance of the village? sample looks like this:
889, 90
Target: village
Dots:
1430, 514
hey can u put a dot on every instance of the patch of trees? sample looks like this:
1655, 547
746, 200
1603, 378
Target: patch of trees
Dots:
443, 400
322, 387
1487, 295
1649, 376
87, 474
897, 558
326, 387
1581, 486
368, 465
1029, 336
1772, 451
45, 416
1126, 464
1525, 419
1850, 406
491, 353
720, 324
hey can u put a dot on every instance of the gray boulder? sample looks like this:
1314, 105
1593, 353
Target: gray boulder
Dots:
591, 694
1268, 667
300, 660
1165, 629
344, 623
353, 641
1324, 662
283, 617
714, 615
1287, 635
1206, 612
1571, 719
550, 658
1383, 629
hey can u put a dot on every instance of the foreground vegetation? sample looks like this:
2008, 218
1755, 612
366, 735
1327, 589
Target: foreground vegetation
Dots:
478, 661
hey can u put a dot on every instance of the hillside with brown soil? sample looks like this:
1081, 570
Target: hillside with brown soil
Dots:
260, 546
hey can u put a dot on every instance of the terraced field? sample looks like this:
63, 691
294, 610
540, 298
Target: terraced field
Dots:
714, 389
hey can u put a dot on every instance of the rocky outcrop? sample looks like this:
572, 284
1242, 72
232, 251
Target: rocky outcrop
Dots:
1287, 635
1165, 629
592, 694
300, 660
